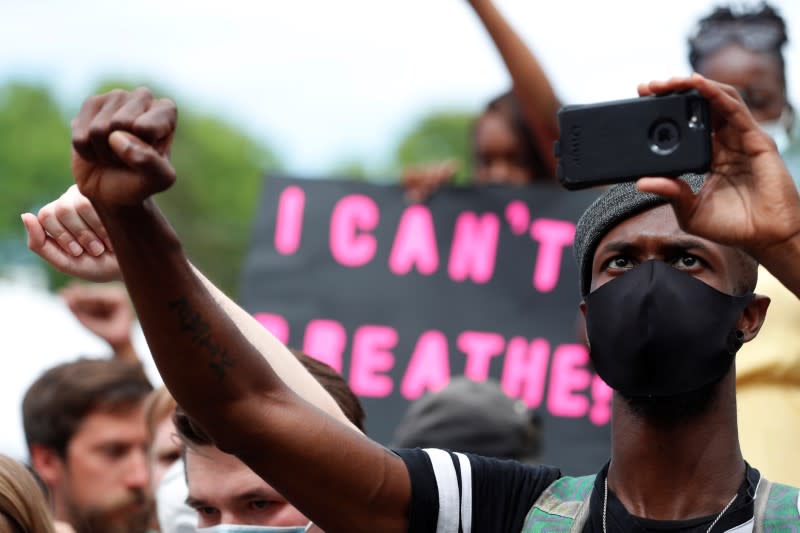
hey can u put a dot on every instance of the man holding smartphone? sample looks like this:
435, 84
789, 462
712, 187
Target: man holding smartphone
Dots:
675, 461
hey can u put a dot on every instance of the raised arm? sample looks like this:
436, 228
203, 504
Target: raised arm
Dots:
332, 473
531, 85
749, 199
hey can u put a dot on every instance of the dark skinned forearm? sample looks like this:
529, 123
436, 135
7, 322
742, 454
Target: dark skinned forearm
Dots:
333, 474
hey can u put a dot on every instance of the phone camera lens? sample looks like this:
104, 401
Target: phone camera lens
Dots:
665, 136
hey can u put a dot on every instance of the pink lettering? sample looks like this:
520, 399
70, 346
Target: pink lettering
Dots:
480, 348
568, 375
525, 370
474, 247
553, 236
600, 413
518, 216
352, 217
275, 324
429, 368
414, 243
289, 220
325, 340
372, 356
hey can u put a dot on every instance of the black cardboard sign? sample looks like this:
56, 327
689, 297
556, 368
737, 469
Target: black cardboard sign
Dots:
399, 297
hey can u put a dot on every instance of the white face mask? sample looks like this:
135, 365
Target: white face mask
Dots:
174, 515
779, 128
235, 528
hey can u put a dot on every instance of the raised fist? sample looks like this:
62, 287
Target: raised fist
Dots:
105, 310
120, 144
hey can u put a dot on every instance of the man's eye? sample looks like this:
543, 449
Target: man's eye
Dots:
115, 451
206, 510
687, 261
619, 262
169, 457
259, 504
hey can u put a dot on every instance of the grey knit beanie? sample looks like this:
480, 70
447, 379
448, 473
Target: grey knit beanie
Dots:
619, 203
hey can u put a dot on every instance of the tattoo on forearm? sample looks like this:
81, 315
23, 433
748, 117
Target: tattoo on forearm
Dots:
190, 322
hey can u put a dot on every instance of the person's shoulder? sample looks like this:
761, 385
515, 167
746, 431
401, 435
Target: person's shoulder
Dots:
478, 464
782, 506
512, 467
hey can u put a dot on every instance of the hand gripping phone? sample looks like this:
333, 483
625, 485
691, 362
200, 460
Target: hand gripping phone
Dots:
623, 140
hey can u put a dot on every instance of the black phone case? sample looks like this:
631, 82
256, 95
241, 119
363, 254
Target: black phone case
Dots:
623, 140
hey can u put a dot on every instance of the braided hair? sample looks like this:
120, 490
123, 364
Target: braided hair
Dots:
763, 14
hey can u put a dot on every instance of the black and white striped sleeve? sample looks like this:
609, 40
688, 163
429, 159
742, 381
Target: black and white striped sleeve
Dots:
465, 493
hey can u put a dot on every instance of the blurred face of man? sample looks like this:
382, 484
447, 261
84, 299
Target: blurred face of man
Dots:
164, 450
105, 480
224, 490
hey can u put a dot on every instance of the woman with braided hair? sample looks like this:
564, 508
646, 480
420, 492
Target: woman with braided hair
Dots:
744, 49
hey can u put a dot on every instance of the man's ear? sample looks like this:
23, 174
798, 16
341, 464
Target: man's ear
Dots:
48, 464
752, 318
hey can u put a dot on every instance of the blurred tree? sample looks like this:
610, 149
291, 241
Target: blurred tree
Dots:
353, 169
34, 160
221, 171
438, 136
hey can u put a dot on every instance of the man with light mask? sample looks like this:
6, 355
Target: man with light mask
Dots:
743, 48
668, 298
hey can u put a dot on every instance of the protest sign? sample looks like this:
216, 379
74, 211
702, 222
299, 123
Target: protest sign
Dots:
399, 297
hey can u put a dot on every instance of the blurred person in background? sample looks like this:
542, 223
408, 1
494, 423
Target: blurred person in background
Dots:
472, 417
23, 506
87, 438
168, 482
513, 137
744, 48
164, 446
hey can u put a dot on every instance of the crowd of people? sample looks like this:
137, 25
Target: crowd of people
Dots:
246, 434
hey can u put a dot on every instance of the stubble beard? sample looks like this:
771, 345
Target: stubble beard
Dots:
113, 517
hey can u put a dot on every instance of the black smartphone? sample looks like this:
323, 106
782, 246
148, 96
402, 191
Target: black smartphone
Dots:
623, 140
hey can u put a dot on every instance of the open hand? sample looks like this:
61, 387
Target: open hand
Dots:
68, 234
420, 182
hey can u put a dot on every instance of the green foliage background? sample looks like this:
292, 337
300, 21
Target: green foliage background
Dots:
438, 136
220, 168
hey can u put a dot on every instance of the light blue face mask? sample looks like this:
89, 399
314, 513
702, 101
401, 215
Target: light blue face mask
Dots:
779, 130
236, 528
785, 131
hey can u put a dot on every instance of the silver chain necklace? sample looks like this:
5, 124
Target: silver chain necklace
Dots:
714, 523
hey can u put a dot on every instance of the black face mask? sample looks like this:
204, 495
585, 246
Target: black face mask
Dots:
657, 331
